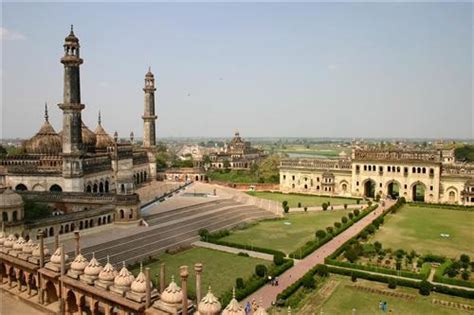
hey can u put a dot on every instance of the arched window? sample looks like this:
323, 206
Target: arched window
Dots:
101, 187
51, 231
81, 225
21, 187
94, 188
122, 214
4, 216
55, 188
109, 218
424, 170
88, 188
15, 216
106, 186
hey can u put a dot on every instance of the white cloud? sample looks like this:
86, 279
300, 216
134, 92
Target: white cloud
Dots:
6, 34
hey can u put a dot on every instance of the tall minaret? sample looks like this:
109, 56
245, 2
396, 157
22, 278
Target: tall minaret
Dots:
72, 107
149, 117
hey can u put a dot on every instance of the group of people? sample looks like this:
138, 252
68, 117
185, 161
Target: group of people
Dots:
273, 281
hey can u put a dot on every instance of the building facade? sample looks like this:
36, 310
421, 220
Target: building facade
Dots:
418, 175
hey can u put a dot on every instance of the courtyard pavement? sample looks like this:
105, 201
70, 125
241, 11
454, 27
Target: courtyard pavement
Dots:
267, 294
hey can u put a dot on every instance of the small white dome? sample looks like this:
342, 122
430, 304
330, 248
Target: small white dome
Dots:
124, 277
234, 308
18, 245
56, 257
93, 268
11, 239
29, 246
209, 304
108, 273
79, 263
260, 311
139, 285
36, 250
172, 294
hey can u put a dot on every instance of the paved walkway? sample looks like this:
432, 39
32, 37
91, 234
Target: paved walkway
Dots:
233, 250
269, 293
320, 208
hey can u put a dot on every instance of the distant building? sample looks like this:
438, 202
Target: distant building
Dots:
418, 175
238, 154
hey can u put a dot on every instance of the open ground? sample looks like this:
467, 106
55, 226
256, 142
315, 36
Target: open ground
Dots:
419, 228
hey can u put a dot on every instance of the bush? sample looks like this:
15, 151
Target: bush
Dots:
344, 220
299, 204
364, 234
305, 209
239, 283
351, 215
378, 246
320, 234
261, 270
345, 206
371, 229
353, 278
322, 270
351, 255
337, 225
392, 283
278, 259
309, 282
369, 203
325, 206
356, 211
451, 272
425, 287
284, 204
329, 229
203, 233
243, 254
286, 209
465, 275
465, 259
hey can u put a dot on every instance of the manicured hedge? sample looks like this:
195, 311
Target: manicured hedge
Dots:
453, 291
296, 285
254, 283
424, 273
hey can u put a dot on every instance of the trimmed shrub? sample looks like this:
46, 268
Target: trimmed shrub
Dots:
243, 254
284, 203
330, 229
351, 215
286, 209
344, 220
278, 259
345, 206
325, 206
392, 283
322, 270
465, 275
337, 225
353, 278
299, 204
425, 287
320, 234
305, 209
308, 281
356, 212
364, 234
261, 270
239, 283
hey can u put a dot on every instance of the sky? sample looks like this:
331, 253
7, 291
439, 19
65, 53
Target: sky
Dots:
401, 70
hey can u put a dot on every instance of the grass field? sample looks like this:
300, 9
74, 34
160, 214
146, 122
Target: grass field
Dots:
286, 237
219, 269
344, 299
306, 200
418, 228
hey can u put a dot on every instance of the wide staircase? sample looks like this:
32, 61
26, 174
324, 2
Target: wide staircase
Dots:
177, 227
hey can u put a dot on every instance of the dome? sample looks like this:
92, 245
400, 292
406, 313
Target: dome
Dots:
9, 199
2, 237
46, 140
124, 277
149, 74
88, 137
36, 250
28, 247
139, 285
172, 294
79, 263
11, 239
234, 308
103, 139
260, 311
56, 257
108, 273
71, 37
209, 304
18, 245
93, 268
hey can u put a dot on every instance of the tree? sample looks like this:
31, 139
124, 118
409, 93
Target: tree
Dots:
226, 164
452, 272
378, 246
260, 270
268, 169
344, 220
345, 206
465, 275
425, 287
351, 215
325, 206
35, 210
239, 283
284, 203
3, 152
356, 211
351, 255
206, 159
322, 270
369, 203
465, 259
286, 209
320, 234
364, 234
278, 259
161, 162
392, 283
305, 209
371, 229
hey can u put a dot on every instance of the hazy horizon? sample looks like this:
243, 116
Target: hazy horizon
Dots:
270, 70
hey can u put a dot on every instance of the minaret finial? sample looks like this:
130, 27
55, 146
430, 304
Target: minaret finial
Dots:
108, 259
233, 292
46, 116
149, 68
72, 29
141, 266
99, 119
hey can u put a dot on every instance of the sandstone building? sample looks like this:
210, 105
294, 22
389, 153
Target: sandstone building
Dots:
418, 175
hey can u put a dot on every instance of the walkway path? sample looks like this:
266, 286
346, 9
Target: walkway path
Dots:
330, 208
233, 250
269, 293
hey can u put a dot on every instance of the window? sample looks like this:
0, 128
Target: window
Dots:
293, 177
405, 186
431, 188
424, 170
365, 167
357, 168
357, 183
413, 170
431, 172
284, 177
317, 187
405, 170
380, 185
305, 186
389, 169
380, 169
398, 169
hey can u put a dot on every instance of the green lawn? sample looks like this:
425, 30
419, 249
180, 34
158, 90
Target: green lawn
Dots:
419, 228
219, 269
280, 235
306, 200
343, 299
233, 176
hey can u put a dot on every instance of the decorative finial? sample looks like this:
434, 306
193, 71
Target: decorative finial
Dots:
141, 266
46, 116
93, 255
209, 289
149, 68
116, 136
132, 136
172, 278
233, 292
72, 29
100, 119
123, 264
108, 259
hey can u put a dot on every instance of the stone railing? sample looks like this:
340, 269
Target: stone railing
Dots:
315, 164
460, 169
398, 155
